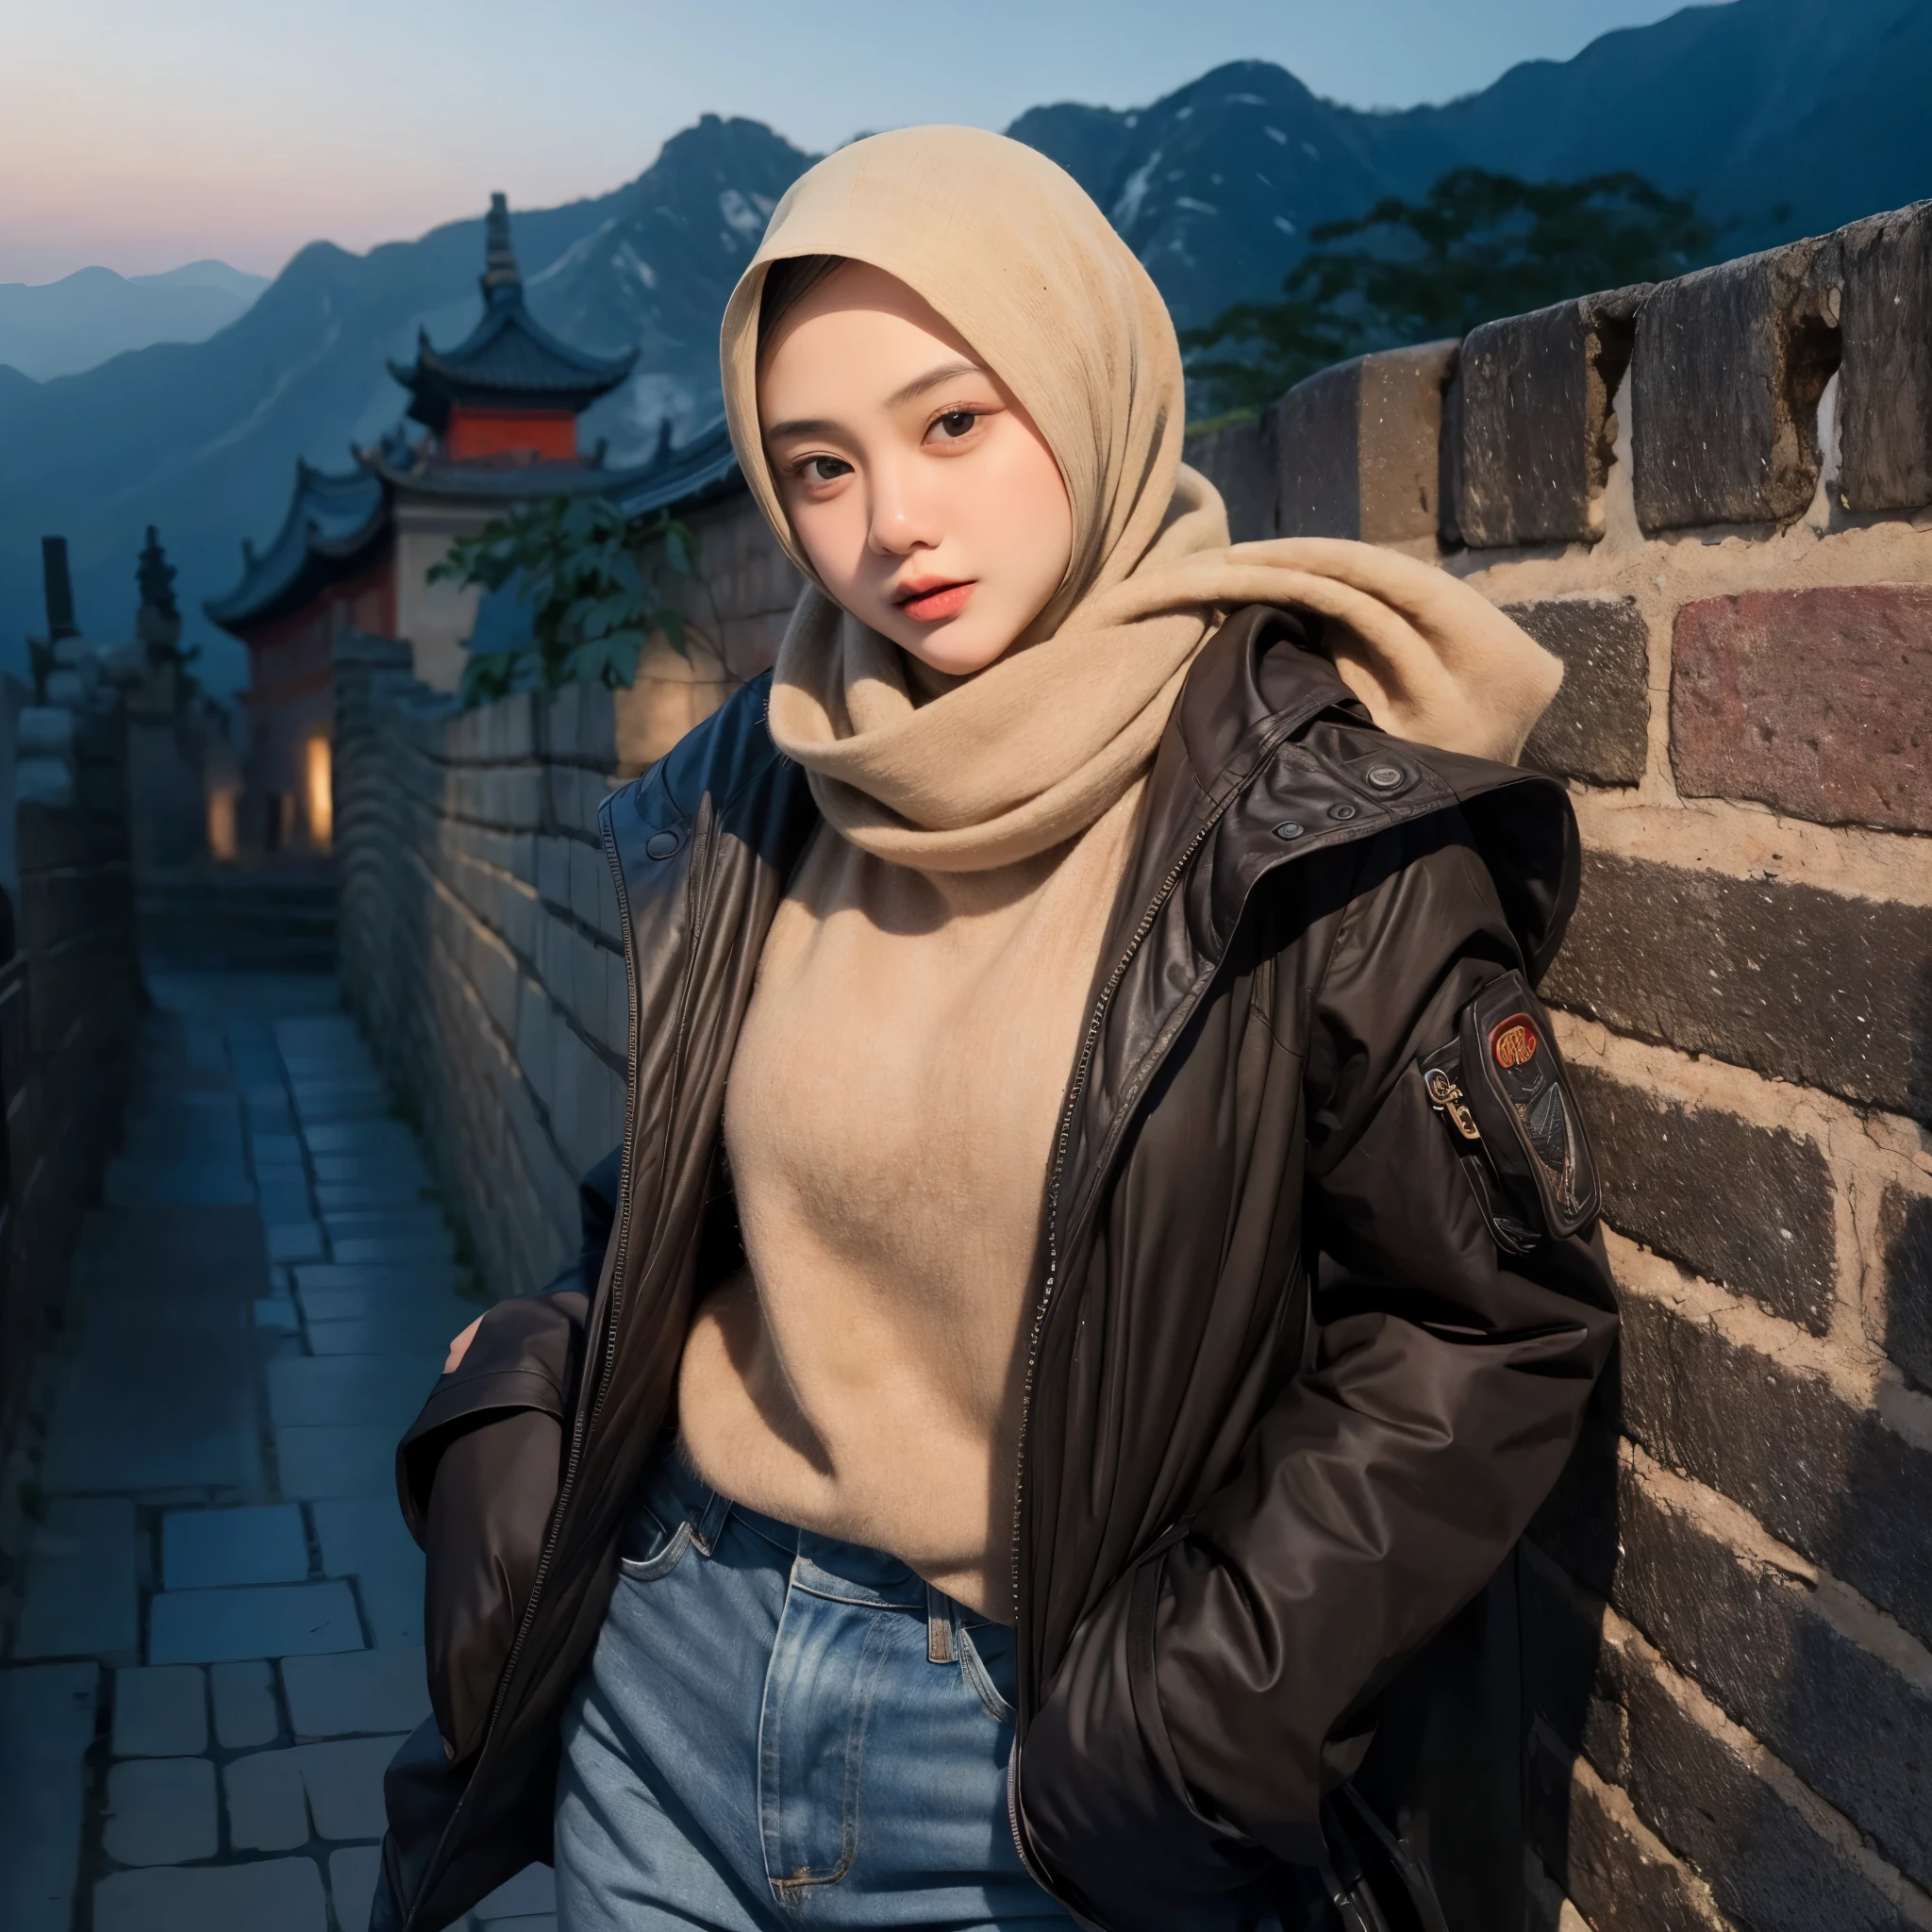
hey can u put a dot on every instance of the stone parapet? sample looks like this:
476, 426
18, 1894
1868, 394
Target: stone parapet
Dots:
1713, 500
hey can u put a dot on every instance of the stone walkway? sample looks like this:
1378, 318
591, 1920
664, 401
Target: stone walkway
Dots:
217, 1641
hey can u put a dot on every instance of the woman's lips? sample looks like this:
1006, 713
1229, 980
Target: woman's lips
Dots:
936, 605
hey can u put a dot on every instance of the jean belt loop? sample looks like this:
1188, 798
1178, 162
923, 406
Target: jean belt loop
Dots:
709, 1525
941, 1623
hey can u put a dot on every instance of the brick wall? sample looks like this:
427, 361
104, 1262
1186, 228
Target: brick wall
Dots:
1713, 500
479, 923
70, 1000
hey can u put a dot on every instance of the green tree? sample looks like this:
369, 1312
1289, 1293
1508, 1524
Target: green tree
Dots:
596, 588
1476, 246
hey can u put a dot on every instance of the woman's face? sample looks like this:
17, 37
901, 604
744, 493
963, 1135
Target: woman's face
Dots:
917, 485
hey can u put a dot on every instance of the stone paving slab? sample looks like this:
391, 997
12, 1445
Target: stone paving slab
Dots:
244, 1701
392, 1250
82, 1597
160, 1710
407, 1332
276, 1315
334, 1460
206, 1626
270, 1895
295, 1240
352, 1874
367, 1690
46, 1727
305, 1391
161, 1811
369, 1224
208, 1549
365, 1140
382, 1285
162, 1394
343, 1780
366, 1537
396, 1176
335, 1198
390, 1296
267, 1809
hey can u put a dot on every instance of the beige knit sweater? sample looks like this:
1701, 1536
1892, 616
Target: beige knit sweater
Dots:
890, 1117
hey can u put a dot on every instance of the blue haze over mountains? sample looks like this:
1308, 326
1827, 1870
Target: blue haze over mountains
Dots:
1783, 117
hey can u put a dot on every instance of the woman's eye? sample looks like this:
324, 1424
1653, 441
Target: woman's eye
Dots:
823, 468
956, 423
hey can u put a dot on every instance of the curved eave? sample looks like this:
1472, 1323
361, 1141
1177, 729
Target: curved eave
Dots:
702, 473
292, 570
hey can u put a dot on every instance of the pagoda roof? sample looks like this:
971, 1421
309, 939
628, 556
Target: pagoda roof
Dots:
509, 360
332, 522
702, 472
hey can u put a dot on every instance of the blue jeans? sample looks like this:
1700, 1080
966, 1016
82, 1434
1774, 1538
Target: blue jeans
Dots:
779, 1729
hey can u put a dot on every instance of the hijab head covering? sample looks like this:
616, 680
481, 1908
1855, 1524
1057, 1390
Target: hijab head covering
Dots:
1026, 754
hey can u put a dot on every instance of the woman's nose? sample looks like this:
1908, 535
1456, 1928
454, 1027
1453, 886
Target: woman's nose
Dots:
901, 520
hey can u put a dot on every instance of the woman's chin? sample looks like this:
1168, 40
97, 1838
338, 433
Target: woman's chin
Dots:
958, 651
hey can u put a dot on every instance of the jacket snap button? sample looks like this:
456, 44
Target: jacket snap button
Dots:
1288, 829
1385, 777
660, 844
1343, 811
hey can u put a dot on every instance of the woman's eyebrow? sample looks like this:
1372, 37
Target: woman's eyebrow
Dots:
818, 425
931, 379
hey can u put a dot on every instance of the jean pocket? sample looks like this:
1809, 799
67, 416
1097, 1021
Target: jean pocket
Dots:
648, 1549
985, 1661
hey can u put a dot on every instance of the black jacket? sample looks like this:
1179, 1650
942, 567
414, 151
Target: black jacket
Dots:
1309, 1348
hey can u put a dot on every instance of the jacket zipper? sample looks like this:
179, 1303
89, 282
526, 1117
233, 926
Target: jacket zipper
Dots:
1076, 1087
580, 1428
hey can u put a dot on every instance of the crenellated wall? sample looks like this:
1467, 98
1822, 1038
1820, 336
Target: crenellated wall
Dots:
1713, 500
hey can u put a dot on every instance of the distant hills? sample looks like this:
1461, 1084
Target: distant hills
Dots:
59, 328
1783, 117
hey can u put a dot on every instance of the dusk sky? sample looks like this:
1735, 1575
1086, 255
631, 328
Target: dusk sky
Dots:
141, 135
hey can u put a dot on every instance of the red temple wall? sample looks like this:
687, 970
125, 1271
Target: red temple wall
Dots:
550, 434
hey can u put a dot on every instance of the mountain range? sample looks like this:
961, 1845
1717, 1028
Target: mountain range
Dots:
1782, 117
60, 328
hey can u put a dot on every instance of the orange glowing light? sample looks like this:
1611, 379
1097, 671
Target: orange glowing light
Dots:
320, 799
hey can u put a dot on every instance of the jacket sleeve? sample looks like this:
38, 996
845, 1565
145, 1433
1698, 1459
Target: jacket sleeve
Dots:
1230, 1680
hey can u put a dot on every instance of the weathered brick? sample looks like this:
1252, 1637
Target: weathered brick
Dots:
1818, 702
1588, 1834
1904, 1229
1598, 727
1832, 1479
1358, 446
1885, 379
1534, 421
1746, 1205
1711, 1792
1727, 371
1839, 1694
1239, 459
1794, 981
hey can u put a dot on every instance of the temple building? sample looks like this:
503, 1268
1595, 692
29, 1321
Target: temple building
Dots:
500, 410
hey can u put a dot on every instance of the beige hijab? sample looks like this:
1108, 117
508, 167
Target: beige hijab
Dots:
1031, 751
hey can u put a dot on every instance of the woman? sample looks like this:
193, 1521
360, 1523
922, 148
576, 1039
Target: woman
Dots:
1102, 1266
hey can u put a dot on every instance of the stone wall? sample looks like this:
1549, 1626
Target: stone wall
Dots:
1713, 499
478, 922
70, 1001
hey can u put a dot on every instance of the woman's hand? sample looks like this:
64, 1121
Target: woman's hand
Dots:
460, 1347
